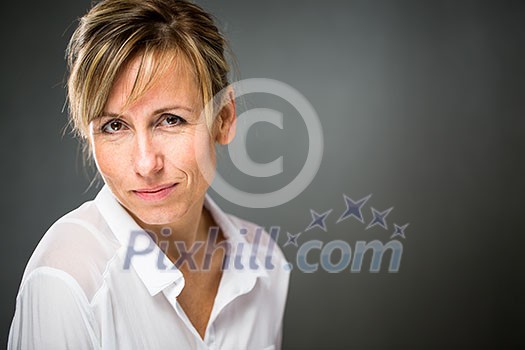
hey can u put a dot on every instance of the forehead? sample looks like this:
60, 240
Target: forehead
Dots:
151, 82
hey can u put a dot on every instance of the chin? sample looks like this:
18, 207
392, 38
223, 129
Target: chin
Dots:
156, 219
161, 216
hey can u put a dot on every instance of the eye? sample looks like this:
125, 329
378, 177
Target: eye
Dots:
171, 120
113, 126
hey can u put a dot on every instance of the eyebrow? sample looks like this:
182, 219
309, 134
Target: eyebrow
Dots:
157, 111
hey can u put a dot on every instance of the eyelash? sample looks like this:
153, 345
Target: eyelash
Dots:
164, 117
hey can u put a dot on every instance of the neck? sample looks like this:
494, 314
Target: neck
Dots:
188, 229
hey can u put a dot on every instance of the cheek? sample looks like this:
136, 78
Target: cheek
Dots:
193, 154
109, 159
205, 158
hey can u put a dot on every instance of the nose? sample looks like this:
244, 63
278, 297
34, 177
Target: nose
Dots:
147, 157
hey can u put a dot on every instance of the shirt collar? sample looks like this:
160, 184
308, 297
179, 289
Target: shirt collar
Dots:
234, 282
151, 264
137, 247
232, 232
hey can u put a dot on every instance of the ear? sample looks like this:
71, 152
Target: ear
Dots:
226, 119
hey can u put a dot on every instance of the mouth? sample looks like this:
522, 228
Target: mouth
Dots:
155, 193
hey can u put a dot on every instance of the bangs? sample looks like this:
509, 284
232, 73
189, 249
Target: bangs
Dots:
154, 62
152, 33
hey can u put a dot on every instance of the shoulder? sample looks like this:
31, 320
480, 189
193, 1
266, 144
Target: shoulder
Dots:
51, 311
78, 245
48, 285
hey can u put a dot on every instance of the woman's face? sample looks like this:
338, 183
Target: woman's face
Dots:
156, 154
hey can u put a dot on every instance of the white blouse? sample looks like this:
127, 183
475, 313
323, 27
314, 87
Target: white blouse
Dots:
98, 281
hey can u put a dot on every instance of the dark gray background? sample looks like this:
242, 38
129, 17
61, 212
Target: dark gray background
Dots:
421, 104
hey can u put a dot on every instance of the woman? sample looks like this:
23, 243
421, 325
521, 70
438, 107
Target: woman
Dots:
152, 262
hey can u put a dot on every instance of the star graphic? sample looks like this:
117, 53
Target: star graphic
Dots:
318, 220
353, 208
379, 218
399, 230
292, 239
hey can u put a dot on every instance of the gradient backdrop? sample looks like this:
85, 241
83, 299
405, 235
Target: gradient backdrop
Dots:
421, 104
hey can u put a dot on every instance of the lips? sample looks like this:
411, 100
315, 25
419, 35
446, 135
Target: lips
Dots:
155, 193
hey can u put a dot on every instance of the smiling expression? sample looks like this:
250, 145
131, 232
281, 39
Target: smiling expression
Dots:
155, 153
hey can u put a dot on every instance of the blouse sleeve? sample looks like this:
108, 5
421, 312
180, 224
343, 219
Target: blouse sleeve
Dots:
52, 312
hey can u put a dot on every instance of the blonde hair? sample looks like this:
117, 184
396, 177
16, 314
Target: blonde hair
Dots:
115, 31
